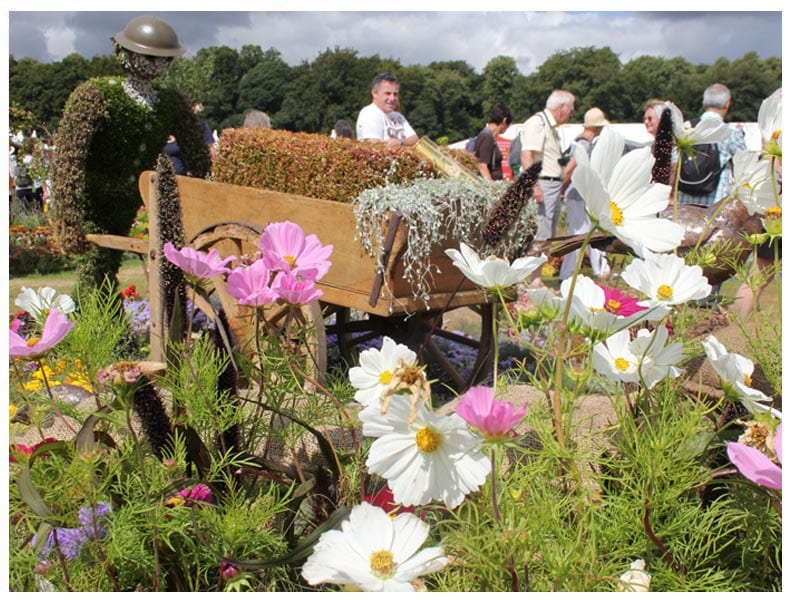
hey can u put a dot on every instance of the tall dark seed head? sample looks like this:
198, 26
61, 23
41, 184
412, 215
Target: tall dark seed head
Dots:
508, 207
662, 149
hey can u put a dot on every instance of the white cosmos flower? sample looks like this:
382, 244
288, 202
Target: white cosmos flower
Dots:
635, 579
752, 183
376, 368
769, 118
608, 146
735, 372
707, 131
38, 303
656, 360
588, 307
646, 358
374, 552
436, 457
614, 359
627, 204
493, 273
666, 279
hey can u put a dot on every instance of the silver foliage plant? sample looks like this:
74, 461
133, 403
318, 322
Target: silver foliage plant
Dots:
438, 213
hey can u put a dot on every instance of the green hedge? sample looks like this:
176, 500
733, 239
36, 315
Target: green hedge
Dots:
316, 165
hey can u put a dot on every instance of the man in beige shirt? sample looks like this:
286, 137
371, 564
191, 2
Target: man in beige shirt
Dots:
540, 141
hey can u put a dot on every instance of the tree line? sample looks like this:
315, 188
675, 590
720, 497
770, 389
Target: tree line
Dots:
444, 99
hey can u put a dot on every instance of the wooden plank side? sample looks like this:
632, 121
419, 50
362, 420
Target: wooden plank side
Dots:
119, 242
352, 275
207, 203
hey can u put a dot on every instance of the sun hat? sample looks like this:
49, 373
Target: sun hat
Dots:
595, 118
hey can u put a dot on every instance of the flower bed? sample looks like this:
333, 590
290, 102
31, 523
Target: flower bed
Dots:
35, 251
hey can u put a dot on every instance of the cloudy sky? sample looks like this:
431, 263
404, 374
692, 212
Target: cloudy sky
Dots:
417, 33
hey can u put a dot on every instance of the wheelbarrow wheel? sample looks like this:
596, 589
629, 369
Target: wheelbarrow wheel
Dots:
423, 333
299, 329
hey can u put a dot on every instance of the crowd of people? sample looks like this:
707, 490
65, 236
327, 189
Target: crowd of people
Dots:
144, 55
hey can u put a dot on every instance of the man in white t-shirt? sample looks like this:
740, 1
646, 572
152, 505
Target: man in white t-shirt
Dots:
380, 120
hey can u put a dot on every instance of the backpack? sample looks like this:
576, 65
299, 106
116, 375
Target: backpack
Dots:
514, 153
700, 172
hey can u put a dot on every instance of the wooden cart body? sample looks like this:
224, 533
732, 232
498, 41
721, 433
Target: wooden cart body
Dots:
356, 280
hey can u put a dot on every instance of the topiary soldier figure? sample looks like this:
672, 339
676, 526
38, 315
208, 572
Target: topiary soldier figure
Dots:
111, 130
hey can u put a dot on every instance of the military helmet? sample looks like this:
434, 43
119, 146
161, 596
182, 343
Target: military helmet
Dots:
150, 36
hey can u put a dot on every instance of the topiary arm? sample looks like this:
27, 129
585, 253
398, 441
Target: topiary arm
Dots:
189, 133
84, 110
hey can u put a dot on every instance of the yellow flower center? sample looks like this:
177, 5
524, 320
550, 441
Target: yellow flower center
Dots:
612, 305
291, 260
775, 135
174, 501
621, 364
32, 341
747, 379
773, 212
385, 377
427, 439
617, 214
665, 292
381, 562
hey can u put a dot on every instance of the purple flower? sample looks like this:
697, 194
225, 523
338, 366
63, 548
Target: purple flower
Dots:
70, 540
286, 248
295, 291
55, 329
195, 263
494, 419
755, 465
250, 285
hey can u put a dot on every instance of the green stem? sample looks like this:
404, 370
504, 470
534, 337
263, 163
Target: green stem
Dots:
52, 401
140, 455
563, 341
511, 567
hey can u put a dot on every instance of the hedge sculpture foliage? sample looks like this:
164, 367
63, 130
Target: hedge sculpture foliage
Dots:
316, 165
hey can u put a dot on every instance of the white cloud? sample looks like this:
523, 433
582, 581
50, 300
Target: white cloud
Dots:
419, 37
60, 41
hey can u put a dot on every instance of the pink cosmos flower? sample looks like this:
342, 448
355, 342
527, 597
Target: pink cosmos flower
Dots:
195, 263
293, 290
285, 248
200, 492
755, 465
616, 302
228, 571
56, 327
23, 450
494, 419
16, 325
250, 285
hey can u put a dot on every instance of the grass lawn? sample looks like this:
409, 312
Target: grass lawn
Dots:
132, 273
